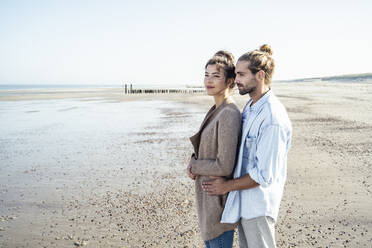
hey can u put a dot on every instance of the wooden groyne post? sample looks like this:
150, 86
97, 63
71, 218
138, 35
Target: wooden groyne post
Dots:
130, 90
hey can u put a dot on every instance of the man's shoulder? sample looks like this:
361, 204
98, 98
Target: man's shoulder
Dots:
275, 113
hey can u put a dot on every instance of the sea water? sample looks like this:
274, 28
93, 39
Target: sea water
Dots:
33, 133
45, 143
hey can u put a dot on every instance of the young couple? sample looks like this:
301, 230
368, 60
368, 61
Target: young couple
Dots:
240, 160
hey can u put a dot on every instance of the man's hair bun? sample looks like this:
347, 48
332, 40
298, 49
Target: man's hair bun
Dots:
266, 49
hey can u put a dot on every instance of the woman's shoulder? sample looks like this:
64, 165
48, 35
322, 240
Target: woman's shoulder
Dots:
230, 110
232, 107
230, 103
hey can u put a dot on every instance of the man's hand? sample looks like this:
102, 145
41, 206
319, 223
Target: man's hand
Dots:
192, 176
218, 186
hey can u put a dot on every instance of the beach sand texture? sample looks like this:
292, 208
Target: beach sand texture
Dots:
97, 168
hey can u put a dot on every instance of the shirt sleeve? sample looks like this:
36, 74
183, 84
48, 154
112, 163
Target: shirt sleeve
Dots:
270, 155
227, 142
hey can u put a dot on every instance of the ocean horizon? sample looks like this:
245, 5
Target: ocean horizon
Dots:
88, 86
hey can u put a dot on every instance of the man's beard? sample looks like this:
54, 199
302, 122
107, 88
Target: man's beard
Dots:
245, 91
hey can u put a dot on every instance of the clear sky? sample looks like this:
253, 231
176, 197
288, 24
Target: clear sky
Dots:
144, 42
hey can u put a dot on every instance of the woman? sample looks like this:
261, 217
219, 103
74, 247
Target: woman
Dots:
215, 146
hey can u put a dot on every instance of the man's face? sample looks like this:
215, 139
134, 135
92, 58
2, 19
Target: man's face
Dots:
245, 79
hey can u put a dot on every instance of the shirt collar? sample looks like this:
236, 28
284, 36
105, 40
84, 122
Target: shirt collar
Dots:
257, 106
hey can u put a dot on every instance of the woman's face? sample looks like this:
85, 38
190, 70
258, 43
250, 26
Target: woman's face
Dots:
214, 81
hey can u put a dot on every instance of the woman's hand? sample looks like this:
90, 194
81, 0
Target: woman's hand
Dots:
189, 173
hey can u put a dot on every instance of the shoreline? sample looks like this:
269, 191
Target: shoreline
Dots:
118, 93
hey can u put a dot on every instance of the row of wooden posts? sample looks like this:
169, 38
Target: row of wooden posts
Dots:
128, 89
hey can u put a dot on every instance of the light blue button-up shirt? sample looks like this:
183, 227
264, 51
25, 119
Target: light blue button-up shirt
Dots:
265, 143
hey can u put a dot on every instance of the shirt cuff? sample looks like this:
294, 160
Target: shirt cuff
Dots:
254, 174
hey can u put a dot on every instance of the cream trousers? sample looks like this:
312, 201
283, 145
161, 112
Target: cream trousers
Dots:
257, 232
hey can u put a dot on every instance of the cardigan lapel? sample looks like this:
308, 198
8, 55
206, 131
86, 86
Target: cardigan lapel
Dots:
195, 139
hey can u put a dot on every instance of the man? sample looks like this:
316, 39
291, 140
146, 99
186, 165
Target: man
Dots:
260, 172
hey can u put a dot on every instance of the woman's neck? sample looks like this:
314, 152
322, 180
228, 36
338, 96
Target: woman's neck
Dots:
219, 99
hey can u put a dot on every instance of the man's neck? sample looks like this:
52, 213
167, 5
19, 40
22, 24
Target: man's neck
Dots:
257, 94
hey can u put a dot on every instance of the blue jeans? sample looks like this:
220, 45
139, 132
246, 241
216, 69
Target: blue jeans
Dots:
225, 240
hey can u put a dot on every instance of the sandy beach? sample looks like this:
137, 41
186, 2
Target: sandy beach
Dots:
97, 168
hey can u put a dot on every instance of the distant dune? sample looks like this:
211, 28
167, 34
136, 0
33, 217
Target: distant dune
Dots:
365, 77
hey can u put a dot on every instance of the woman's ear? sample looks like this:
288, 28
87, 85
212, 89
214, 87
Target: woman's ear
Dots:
231, 83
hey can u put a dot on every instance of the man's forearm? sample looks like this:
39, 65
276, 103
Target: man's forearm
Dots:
220, 186
241, 183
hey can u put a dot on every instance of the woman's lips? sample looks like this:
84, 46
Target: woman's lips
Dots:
210, 87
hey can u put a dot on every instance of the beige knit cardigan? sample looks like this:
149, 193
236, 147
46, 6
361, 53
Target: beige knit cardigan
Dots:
215, 147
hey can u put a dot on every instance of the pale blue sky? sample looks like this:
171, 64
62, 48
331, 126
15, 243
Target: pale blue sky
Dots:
144, 42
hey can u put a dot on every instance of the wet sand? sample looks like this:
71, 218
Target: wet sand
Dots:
131, 190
